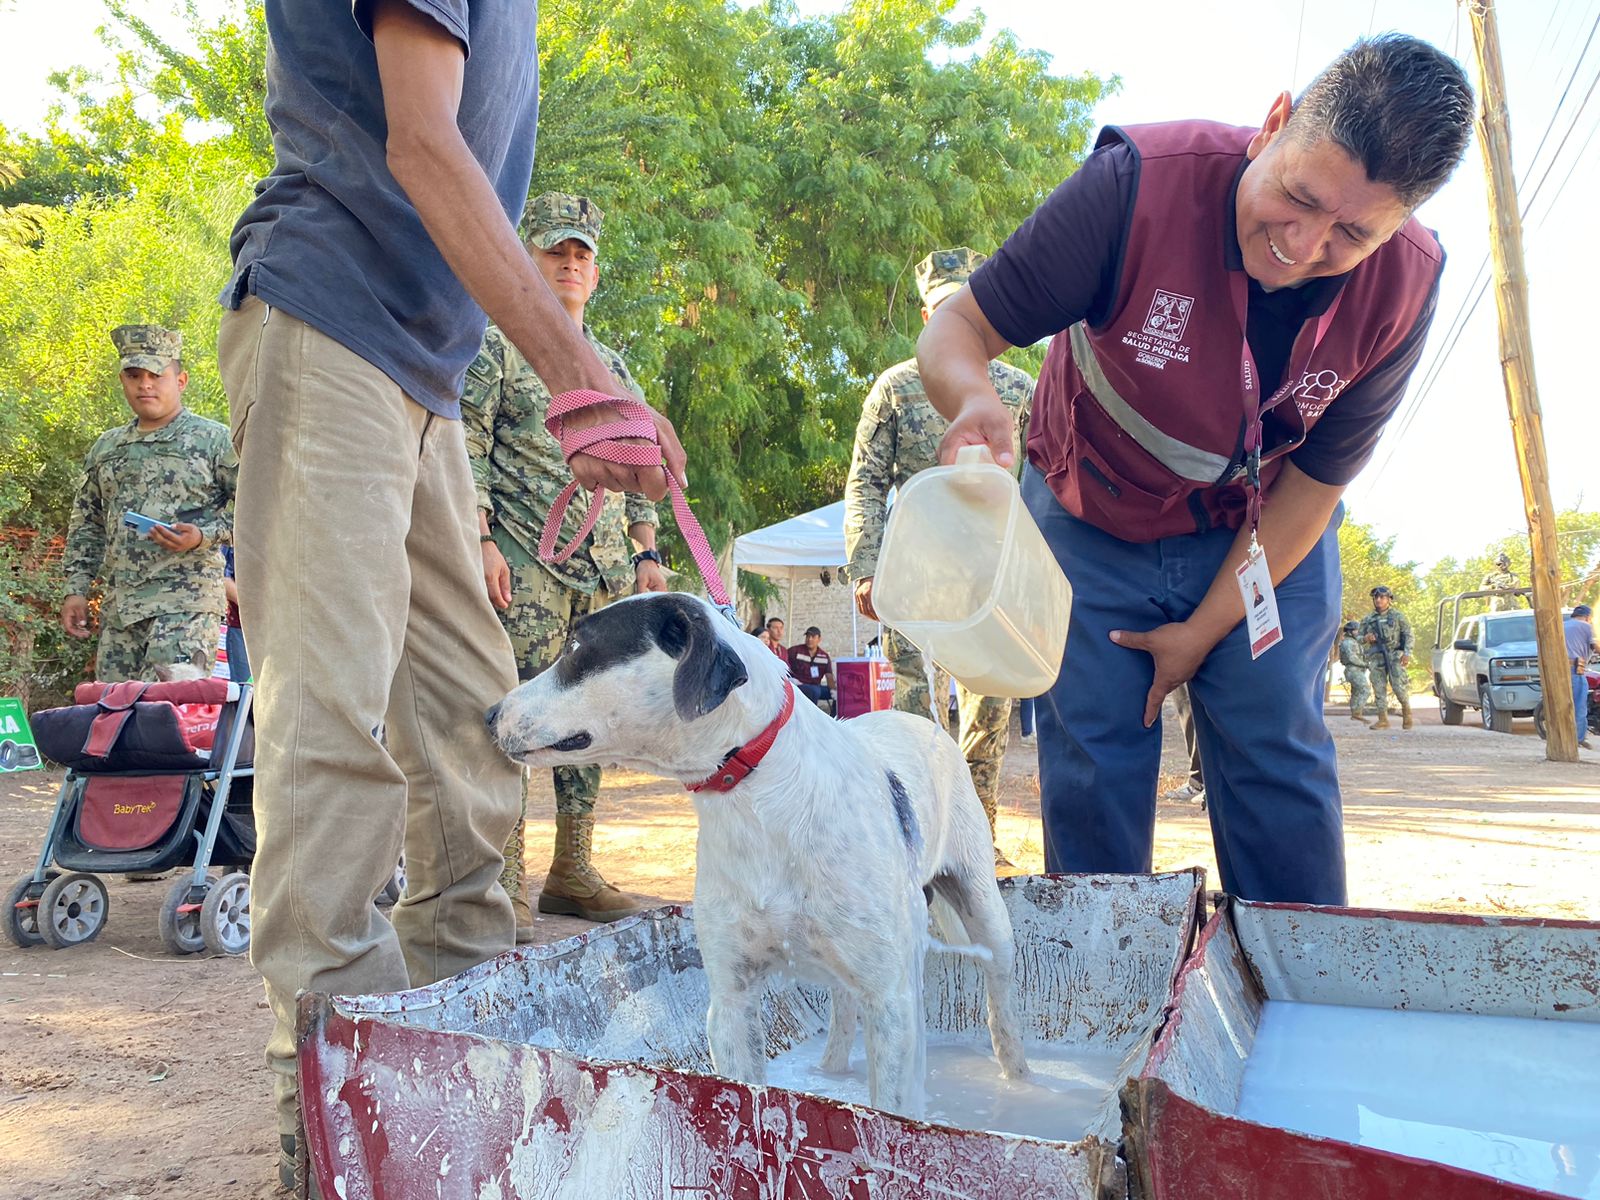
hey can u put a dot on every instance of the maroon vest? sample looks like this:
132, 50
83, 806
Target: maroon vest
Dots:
1139, 425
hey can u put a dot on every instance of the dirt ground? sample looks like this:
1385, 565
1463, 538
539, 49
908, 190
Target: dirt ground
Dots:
127, 1072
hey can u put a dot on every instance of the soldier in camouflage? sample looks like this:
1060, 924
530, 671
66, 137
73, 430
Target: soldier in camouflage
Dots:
1386, 634
161, 597
1354, 663
1502, 578
898, 436
518, 469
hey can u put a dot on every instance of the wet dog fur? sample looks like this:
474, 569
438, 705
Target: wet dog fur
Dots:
820, 865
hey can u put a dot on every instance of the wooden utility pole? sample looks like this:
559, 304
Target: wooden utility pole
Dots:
1522, 392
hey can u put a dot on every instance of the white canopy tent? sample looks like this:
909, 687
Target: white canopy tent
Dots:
800, 548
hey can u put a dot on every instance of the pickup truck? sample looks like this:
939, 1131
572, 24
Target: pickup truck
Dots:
1490, 662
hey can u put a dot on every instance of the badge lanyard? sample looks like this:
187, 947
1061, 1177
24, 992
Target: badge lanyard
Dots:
1250, 386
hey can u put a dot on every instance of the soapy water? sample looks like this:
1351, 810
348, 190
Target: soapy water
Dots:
1516, 1098
1059, 1102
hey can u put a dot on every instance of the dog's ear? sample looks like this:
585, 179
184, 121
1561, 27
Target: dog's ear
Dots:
708, 668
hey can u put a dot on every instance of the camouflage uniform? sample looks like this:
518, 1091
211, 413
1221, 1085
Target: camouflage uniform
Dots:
1354, 663
1393, 632
158, 608
1501, 580
898, 436
518, 470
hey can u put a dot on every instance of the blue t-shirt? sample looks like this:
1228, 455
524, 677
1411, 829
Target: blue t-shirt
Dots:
1580, 639
330, 237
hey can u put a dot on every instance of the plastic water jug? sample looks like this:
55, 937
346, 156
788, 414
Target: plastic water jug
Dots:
965, 574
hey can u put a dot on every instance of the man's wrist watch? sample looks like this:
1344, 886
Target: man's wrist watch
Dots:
646, 556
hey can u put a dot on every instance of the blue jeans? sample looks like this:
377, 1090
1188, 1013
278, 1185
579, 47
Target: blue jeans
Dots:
1272, 786
1025, 715
815, 691
1580, 703
238, 657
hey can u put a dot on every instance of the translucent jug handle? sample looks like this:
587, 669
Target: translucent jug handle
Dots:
968, 456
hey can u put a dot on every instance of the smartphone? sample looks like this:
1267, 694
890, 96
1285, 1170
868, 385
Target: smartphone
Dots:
141, 524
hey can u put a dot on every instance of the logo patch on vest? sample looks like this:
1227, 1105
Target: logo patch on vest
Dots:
1160, 339
1169, 315
1316, 390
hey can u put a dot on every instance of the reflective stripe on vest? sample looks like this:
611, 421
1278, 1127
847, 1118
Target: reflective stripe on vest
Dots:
1179, 457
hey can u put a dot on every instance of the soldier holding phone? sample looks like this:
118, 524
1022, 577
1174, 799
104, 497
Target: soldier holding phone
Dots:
155, 503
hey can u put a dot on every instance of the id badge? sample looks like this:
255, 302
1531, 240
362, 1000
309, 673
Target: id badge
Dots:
1260, 604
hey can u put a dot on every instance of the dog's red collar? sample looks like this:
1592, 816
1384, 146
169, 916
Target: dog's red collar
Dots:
743, 759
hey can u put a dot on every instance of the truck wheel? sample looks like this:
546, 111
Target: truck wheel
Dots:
1538, 721
1494, 719
1450, 713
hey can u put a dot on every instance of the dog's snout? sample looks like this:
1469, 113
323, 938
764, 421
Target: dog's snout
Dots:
489, 717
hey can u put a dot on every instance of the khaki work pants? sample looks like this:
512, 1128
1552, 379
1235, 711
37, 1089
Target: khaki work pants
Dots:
361, 585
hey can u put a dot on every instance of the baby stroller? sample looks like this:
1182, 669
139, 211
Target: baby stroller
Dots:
158, 776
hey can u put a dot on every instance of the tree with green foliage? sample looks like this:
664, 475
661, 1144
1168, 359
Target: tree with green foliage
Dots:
771, 183
771, 180
1369, 559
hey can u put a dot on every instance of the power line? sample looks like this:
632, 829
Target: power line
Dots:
1565, 91
1475, 291
1294, 75
1573, 166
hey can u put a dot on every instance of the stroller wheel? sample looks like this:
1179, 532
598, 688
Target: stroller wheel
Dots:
181, 922
72, 910
225, 915
22, 924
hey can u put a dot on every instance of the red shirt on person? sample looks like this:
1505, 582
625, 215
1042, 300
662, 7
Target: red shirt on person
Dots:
810, 666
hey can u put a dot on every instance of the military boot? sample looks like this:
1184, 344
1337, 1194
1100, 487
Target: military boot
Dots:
1405, 714
573, 888
515, 881
1383, 718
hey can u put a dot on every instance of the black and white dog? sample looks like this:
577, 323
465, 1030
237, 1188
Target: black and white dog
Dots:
821, 861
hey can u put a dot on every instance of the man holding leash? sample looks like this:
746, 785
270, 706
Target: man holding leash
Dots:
518, 471
363, 267
898, 435
162, 596
1240, 310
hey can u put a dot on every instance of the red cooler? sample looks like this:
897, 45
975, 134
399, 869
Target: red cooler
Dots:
864, 685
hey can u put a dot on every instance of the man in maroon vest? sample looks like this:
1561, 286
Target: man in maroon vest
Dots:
1240, 311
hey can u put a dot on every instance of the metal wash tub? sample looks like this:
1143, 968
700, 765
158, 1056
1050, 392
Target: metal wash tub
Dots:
579, 1069
1184, 1137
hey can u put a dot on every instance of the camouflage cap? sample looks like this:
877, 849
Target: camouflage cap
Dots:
942, 273
147, 347
553, 217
